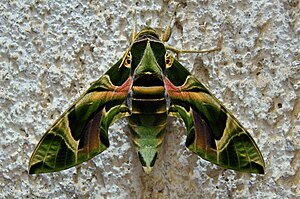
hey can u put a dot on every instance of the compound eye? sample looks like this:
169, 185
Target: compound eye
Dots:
168, 60
128, 60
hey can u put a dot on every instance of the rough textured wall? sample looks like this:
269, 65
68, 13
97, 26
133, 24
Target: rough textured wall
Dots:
51, 51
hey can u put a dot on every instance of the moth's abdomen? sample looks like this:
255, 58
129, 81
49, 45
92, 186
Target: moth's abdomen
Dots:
149, 107
147, 122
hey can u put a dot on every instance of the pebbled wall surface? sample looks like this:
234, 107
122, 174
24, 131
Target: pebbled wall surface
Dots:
51, 51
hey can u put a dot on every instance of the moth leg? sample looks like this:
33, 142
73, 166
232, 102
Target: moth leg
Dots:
179, 51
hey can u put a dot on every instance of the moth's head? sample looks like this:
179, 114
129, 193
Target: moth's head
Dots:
147, 32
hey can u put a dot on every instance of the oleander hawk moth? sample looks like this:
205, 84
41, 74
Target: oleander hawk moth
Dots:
147, 85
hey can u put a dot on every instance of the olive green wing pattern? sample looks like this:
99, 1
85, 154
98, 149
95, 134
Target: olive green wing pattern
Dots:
81, 132
212, 131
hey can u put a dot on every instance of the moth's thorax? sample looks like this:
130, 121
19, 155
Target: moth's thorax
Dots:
147, 55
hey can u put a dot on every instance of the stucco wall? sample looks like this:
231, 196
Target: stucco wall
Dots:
51, 51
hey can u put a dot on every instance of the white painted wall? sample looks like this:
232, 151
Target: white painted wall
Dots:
51, 51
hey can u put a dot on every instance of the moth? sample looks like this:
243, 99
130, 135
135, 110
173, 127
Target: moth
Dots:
147, 85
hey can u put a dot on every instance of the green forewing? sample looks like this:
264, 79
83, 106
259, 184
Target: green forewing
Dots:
212, 131
81, 132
